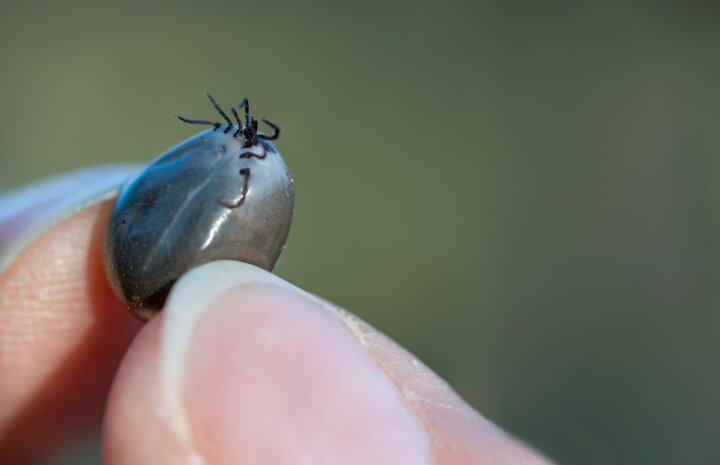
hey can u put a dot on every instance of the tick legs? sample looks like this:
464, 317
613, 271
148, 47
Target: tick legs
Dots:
253, 154
245, 173
199, 121
274, 135
249, 129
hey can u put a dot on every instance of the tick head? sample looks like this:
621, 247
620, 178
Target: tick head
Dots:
247, 127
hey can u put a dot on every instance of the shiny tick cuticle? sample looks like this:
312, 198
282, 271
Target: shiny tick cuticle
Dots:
225, 193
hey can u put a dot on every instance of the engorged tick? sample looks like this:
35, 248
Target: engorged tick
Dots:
248, 131
222, 194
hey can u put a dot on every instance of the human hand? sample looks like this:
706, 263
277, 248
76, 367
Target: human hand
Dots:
240, 367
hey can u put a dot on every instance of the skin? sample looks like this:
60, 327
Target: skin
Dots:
275, 375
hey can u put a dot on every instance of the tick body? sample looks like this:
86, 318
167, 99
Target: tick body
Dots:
225, 193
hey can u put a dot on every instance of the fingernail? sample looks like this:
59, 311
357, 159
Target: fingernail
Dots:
28, 212
258, 371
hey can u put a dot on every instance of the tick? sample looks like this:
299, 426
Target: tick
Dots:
225, 193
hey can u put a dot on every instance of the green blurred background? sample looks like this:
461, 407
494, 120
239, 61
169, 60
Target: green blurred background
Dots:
524, 194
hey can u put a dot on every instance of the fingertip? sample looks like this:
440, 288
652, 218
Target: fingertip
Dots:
262, 375
246, 368
276, 378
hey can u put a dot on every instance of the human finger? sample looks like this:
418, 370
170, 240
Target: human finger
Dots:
62, 332
242, 367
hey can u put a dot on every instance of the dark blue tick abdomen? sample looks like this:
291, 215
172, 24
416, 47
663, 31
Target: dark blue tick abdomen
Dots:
218, 195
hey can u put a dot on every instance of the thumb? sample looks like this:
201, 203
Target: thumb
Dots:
243, 368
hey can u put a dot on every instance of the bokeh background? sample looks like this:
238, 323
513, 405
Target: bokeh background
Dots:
524, 194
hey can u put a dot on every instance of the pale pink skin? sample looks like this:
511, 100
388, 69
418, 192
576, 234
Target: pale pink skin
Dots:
274, 376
